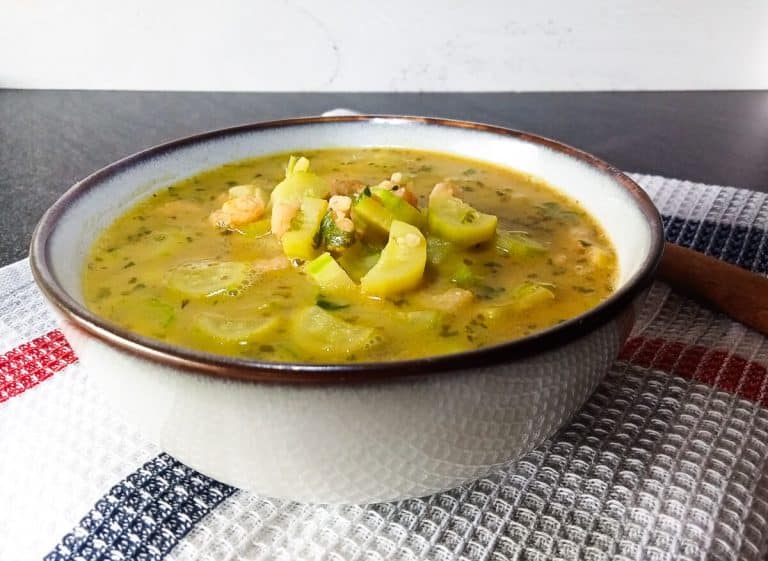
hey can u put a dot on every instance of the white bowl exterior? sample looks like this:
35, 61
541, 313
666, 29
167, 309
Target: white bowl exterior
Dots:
356, 443
597, 192
365, 442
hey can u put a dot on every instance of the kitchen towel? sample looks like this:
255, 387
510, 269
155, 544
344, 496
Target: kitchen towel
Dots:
667, 460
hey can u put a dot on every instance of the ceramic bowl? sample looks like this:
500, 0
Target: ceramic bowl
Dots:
348, 433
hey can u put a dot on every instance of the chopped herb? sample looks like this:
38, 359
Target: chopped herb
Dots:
585, 243
447, 331
583, 289
330, 306
469, 171
129, 265
424, 169
184, 303
103, 292
266, 348
553, 210
231, 183
487, 292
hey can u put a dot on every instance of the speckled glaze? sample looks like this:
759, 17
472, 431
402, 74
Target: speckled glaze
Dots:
349, 433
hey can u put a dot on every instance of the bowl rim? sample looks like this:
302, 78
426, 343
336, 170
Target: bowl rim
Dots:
333, 373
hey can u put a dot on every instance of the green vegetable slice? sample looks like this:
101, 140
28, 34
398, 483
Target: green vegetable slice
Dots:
438, 250
421, 320
400, 209
464, 276
530, 294
329, 275
518, 244
299, 182
334, 238
358, 260
455, 221
300, 241
156, 315
207, 278
322, 334
523, 297
226, 329
401, 264
371, 216
256, 229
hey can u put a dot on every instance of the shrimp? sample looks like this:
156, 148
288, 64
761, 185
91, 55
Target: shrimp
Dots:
245, 204
442, 189
340, 208
346, 186
282, 214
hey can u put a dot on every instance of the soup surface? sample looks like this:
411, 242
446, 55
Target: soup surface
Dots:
349, 256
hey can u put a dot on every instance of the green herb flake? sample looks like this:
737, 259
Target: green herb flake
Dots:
328, 305
447, 331
583, 289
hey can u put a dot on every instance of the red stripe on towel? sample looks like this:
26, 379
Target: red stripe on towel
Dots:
720, 369
30, 363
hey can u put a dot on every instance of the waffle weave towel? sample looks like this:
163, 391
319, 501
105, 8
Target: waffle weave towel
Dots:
666, 461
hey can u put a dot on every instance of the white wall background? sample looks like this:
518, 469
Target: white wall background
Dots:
401, 45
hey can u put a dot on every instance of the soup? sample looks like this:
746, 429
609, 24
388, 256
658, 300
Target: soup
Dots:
349, 256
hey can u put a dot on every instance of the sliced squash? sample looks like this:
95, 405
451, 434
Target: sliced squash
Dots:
325, 336
401, 264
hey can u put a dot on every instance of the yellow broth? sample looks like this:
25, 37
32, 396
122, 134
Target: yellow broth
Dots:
126, 276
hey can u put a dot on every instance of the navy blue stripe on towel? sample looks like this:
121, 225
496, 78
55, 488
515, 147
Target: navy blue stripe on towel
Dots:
736, 244
144, 516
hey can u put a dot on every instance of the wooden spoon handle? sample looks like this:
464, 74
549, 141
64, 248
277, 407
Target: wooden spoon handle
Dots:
732, 290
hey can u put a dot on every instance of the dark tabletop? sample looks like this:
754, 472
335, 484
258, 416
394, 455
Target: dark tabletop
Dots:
50, 139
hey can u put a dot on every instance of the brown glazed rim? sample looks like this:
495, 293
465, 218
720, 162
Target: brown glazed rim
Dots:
300, 373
